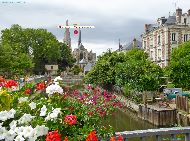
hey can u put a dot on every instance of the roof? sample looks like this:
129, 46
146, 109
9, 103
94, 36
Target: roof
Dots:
83, 61
88, 67
171, 20
130, 45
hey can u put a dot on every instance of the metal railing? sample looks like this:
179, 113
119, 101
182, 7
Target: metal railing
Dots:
158, 133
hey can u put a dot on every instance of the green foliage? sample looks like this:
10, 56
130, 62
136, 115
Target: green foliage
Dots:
76, 69
66, 59
24, 49
103, 73
179, 67
5, 101
131, 69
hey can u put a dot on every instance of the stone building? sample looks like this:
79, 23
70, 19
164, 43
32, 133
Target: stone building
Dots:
159, 39
82, 55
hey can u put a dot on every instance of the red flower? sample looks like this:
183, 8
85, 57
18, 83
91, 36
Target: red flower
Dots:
53, 136
10, 83
70, 119
27, 91
112, 139
92, 136
40, 86
120, 138
66, 139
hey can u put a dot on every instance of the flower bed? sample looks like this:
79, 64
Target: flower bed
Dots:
55, 113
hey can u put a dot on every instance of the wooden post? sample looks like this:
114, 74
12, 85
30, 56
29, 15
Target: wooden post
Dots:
158, 138
187, 137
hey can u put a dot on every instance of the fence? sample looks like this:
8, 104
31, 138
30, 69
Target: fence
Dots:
182, 103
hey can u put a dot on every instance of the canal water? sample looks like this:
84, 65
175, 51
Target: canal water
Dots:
128, 121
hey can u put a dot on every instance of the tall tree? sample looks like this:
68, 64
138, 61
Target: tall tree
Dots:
179, 67
41, 45
66, 59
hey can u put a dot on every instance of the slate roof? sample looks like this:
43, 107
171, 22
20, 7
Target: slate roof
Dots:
171, 20
88, 67
130, 45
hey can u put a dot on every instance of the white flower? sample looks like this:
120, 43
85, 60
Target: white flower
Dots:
13, 124
54, 114
32, 105
10, 135
41, 130
3, 133
58, 78
28, 132
43, 111
11, 113
25, 119
54, 88
22, 99
19, 138
4, 115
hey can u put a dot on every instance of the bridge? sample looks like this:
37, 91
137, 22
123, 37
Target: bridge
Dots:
157, 133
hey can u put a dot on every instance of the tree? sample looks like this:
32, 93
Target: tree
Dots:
41, 46
66, 59
130, 68
12, 62
103, 73
179, 67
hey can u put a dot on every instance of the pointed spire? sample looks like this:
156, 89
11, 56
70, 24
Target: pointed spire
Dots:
67, 23
79, 41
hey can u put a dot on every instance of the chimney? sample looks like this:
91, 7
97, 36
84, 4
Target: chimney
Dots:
178, 15
188, 12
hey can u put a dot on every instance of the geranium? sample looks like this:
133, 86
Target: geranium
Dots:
10, 84
53, 136
40, 86
54, 114
92, 136
66, 139
23, 99
27, 91
70, 119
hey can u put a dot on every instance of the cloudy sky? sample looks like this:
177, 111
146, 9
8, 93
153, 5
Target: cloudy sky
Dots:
113, 19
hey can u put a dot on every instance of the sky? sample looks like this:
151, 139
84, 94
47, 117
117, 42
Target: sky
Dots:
113, 19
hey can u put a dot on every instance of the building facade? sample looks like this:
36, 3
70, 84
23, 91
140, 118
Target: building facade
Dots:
159, 39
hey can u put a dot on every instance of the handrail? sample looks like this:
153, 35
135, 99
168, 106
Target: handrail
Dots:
156, 132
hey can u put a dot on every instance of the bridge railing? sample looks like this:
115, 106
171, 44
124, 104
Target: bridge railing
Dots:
158, 133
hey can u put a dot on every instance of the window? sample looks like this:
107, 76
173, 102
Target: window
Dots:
173, 36
185, 37
159, 39
151, 54
159, 53
185, 21
52, 67
144, 44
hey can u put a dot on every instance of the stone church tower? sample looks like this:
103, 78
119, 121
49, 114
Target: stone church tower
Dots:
81, 54
67, 38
